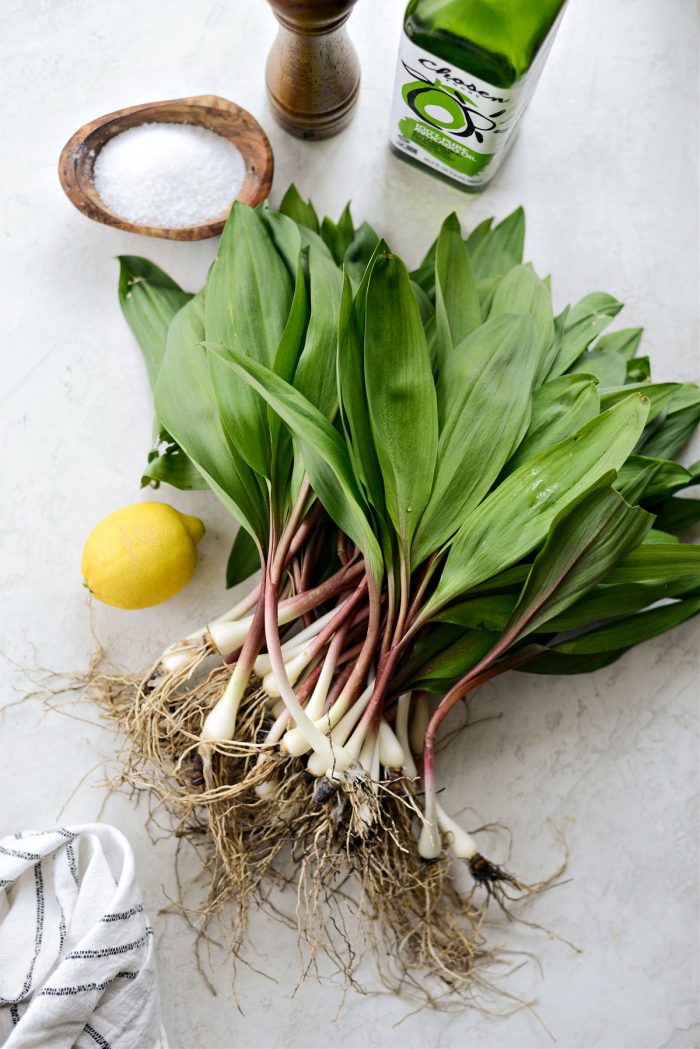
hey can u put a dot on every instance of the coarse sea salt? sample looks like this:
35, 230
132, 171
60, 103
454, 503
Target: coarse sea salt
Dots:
168, 174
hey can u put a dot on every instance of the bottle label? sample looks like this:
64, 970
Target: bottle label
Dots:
451, 120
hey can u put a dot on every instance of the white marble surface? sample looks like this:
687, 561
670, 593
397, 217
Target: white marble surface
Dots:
607, 167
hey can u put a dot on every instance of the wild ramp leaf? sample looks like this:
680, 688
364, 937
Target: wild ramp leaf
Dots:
352, 395
248, 298
289, 238
172, 466
359, 253
516, 516
325, 454
608, 366
658, 393
315, 375
479, 234
300, 211
599, 647
559, 408
424, 275
149, 299
643, 478
677, 514
285, 364
657, 563
440, 672
582, 324
607, 602
338, 236
488, 612
591, 535
638, 370
678, 426
400, 395
656, 536
457, 310
522, 291
632, 630
186, 403
496, 250
585, 540
625, 342
553, 661
486, 391
243, 560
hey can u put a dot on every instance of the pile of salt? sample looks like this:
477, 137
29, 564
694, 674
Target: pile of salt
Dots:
168, 174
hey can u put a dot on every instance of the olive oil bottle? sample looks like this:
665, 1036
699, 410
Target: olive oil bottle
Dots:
466, 72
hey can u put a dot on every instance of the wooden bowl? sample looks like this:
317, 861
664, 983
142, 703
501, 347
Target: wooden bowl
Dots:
77, 161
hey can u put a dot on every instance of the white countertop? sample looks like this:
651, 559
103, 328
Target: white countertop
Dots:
606, 165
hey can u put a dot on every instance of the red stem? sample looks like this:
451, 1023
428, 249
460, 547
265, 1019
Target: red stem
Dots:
466, 684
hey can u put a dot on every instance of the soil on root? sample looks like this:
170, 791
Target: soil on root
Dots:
349, 851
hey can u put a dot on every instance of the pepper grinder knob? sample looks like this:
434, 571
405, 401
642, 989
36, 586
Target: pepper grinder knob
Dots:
313, 73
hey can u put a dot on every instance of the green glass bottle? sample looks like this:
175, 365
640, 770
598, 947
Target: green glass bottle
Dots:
466, 72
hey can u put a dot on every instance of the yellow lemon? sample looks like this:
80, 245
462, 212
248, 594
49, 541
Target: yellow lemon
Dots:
141, 555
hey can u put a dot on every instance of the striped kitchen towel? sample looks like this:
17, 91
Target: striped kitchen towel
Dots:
77, 965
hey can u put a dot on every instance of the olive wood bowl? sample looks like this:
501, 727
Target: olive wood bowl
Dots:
77, 161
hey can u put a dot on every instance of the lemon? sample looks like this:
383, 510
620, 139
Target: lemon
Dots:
141, 555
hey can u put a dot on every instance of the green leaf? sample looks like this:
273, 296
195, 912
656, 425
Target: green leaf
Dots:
425, 306
243, 560
655, 536
400, 394
289, 239
632, 630
300, 211
608, 366
149, 299
659, 394
325, 454
424, 275
248, 298
187, 405
675, 515
352, 394
556, 662
285, 364
522, 291
358, 256
678, 425
457, 310
315, 376
441, 671
638, 370
479, 234
559, 408
172, 466
642, 478
488, 377
583, 323
591, 535
625, 342
608, 602
338, 236
490, 612
658, 563
516, 517
495, 251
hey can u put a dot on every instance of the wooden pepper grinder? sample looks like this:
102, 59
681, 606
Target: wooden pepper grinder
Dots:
313, 73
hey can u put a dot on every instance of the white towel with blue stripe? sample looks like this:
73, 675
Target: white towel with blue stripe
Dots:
77, 964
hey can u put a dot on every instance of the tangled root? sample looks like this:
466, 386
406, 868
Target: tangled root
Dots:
260, 823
